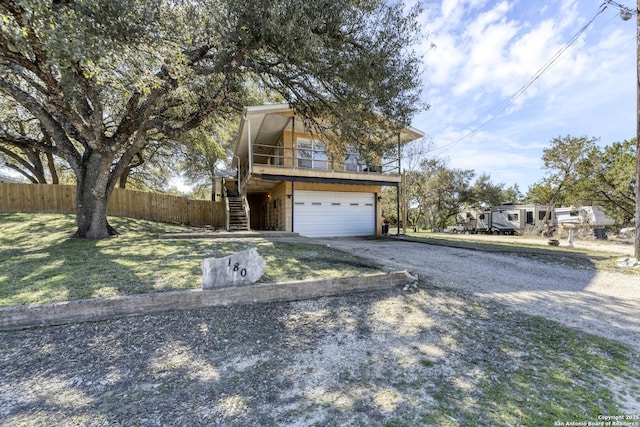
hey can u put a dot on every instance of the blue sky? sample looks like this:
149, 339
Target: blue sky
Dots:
479, 53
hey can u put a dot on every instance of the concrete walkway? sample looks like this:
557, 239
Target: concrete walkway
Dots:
223, 234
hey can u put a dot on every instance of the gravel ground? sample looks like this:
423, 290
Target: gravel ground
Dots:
603, 303
432, 356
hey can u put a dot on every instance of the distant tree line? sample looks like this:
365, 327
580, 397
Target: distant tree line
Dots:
578, 173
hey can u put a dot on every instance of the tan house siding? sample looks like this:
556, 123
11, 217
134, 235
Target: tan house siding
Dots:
279, 204
337, 187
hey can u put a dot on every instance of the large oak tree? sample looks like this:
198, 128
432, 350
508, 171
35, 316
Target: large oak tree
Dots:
100, 77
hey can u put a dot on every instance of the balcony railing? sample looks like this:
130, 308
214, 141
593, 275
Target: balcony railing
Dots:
321, 159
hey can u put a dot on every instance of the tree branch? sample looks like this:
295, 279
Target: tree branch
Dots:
24, 142
22, 172
47, 121
125, 160
36, 176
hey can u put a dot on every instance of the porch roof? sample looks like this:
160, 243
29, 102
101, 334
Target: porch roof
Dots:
263, 125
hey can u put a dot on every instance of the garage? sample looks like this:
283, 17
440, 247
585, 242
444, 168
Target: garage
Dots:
334, 214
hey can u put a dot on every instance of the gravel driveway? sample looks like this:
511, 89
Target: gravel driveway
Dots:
603, 303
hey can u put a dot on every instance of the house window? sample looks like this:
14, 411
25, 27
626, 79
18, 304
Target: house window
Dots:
312, 154
529, 217
541, 215
351, 163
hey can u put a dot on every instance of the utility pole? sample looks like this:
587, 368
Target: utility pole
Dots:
637, 241
626, 14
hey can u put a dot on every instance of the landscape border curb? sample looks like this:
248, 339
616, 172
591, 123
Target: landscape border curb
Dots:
22, 317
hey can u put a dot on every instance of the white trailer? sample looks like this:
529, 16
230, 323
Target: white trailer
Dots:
586, 220
484, 221
589, 216
507, 219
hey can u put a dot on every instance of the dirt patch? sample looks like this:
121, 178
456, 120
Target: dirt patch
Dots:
424, 357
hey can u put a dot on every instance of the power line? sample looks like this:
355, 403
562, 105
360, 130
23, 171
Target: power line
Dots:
625, 12
506, 103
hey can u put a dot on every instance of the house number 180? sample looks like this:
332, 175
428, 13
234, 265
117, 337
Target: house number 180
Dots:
236, 267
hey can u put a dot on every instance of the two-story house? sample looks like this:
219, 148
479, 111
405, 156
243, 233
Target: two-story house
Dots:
288, 179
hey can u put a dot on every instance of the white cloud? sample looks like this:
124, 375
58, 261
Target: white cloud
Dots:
487, 50
448, 7
477, 28
443, 60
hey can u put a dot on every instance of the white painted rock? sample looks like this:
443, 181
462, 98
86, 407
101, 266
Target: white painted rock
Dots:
241, 268
627, 262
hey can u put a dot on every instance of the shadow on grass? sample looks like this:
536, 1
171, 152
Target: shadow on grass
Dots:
41, 263
431, 357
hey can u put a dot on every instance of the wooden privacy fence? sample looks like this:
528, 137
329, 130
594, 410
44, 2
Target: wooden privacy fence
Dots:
129, 203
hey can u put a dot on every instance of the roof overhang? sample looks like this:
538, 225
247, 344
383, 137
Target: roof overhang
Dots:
263, 125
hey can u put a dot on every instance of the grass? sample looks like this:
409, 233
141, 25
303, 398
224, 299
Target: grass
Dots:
41, 263
538, 373
500, 368
572, 257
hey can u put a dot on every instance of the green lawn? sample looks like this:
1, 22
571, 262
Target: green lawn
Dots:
40, 262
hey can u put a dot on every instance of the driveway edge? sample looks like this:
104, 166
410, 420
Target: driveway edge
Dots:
21, 317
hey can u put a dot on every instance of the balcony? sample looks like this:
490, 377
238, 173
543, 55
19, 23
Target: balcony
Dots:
311, 159
274, 144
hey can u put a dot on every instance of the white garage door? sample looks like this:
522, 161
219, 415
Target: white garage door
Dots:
333, 214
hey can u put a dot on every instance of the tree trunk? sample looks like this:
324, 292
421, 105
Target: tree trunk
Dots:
122, 182
52, 168
92, 195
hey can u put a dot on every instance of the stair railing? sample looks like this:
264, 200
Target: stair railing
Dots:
247, 211
226, 209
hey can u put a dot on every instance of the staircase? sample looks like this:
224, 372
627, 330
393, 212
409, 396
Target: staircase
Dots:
238, 220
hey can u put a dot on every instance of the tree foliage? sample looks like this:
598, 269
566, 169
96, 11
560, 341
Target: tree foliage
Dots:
435, 193
561, 161
102, 79
206, 151
608, 181
485, 193
582, 173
